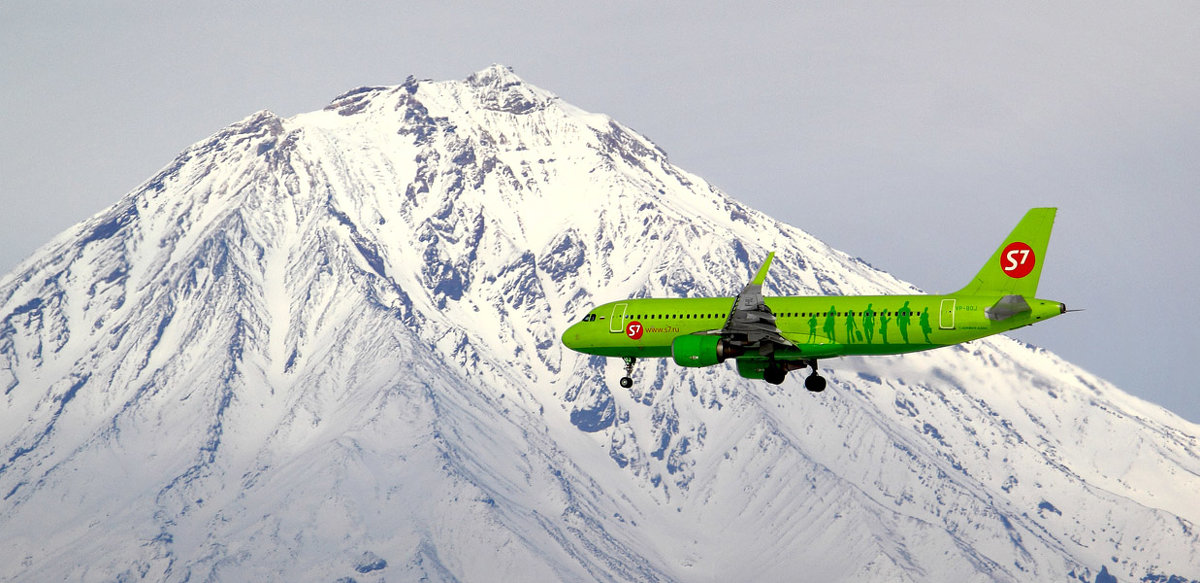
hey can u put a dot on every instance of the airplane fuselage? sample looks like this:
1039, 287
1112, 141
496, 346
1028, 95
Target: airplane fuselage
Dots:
771, 336
829, 326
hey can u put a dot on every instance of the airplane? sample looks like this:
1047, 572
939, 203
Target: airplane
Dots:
769, 337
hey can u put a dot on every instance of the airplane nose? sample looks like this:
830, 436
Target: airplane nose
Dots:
570, 338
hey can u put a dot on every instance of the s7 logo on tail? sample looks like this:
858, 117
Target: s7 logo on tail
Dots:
1017, 260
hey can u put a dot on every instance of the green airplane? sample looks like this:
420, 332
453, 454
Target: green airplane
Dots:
770, 337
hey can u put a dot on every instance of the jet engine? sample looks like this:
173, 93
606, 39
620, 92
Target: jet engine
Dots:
696, 350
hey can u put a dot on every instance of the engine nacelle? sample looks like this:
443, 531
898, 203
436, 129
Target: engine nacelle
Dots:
698, 350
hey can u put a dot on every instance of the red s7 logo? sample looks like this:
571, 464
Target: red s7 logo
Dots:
1017, 260
634, 330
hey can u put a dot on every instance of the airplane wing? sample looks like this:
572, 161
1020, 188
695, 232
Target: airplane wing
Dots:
813, 345
751, 323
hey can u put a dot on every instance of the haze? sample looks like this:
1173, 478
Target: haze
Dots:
911, 137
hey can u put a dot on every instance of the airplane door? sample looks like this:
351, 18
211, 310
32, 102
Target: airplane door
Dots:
947, 317
617, 322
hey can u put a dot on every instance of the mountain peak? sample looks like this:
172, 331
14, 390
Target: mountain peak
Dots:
493, 74
500, 89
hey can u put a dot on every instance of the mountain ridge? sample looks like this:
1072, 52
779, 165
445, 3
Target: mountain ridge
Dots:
267, 341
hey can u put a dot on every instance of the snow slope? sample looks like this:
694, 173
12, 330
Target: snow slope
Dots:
326, 348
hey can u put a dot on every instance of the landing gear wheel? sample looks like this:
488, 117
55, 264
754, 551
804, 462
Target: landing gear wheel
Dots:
774, 375
814, 382
627, 380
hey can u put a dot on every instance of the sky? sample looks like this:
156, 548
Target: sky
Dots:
913, 137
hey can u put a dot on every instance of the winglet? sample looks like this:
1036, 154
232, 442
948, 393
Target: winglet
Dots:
761, 276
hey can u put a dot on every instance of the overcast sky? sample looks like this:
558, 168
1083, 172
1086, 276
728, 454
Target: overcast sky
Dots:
914, 138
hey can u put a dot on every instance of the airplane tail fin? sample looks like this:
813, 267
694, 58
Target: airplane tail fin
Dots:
1016, 266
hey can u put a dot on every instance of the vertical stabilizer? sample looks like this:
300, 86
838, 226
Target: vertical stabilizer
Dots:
1016, 266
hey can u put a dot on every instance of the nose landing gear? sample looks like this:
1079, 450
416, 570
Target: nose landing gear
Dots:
627, 380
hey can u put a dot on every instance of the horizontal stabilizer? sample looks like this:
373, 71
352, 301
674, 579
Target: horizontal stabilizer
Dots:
1007, 307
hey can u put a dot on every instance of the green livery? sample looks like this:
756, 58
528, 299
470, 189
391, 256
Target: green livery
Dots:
769, 337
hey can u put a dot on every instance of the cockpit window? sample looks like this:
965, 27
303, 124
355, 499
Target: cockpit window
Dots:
589, 318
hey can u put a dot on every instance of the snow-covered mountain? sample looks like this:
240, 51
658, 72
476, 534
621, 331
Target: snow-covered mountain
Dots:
325, 348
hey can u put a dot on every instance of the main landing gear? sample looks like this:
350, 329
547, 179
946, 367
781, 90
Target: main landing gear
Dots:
814, 382
775, 373
627, 380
